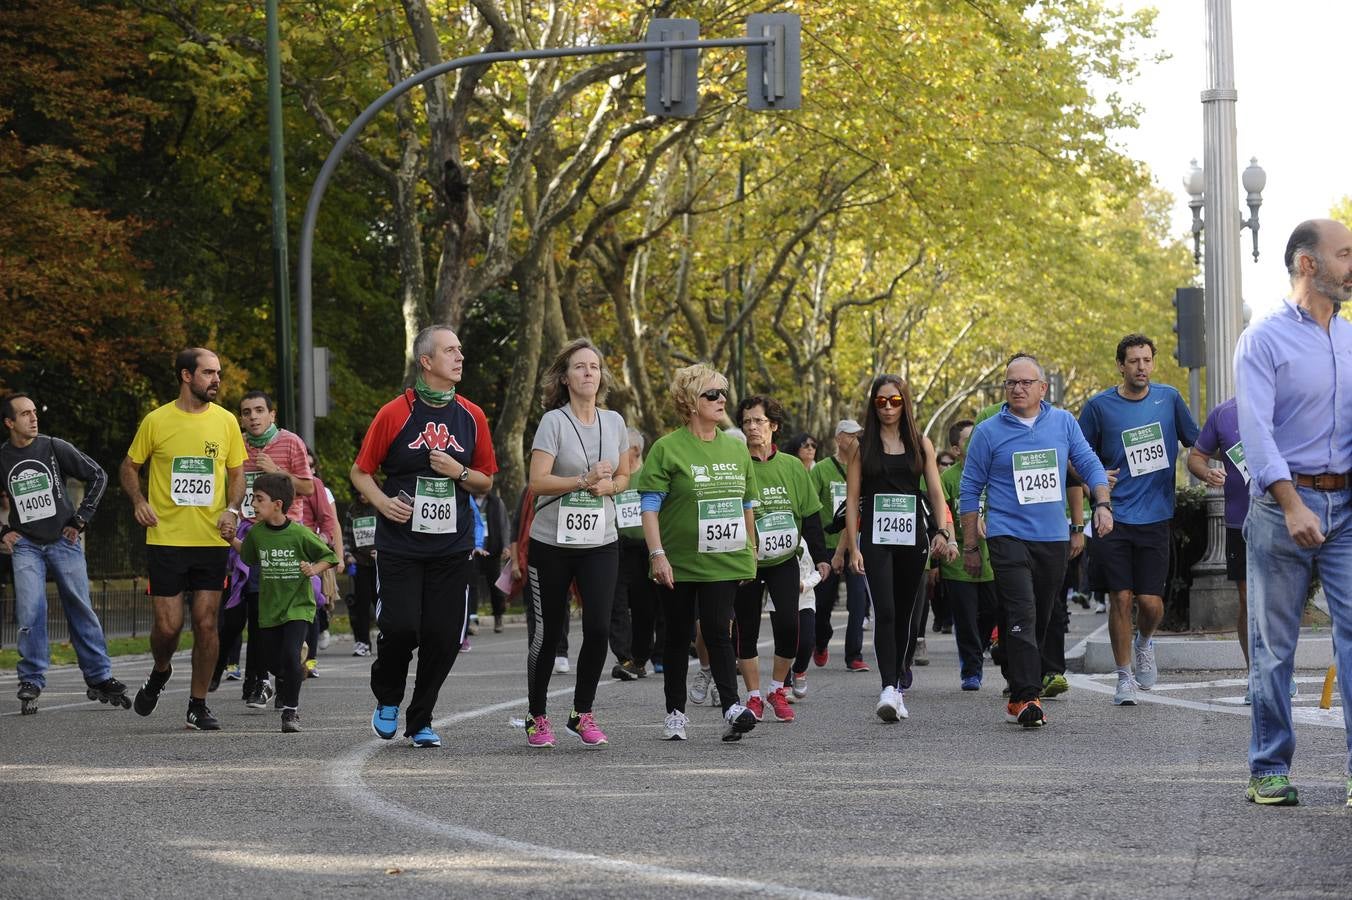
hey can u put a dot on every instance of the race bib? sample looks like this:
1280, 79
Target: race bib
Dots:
1037, 477
582, 519
246, 509
627, 511
364, 531
776, 535
1236, 455
894, 519
722, 526
193, 481
1145, 449
33, 497
434, 506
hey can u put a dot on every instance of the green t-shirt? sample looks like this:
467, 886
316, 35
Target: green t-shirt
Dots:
627, 511
786, 499
707, 484
828, 480
284, 594
951, 480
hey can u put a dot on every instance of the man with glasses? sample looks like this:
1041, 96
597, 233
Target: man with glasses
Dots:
1135, 428
1018, 458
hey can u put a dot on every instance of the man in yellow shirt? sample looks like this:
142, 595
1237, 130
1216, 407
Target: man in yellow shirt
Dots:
196, 484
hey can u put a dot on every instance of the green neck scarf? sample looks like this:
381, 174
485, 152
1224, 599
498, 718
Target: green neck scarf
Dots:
263, 439
435, 398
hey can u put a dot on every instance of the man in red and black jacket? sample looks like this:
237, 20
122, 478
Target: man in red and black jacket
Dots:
432, 448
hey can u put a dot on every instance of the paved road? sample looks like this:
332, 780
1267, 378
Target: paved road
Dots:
1143, 802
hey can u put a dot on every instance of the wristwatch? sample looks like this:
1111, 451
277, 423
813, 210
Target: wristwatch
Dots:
78, 523
1077, 529
234, 512
464, 474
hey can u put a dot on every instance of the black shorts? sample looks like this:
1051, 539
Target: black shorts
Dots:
174, 570
1236, 555
1135, 558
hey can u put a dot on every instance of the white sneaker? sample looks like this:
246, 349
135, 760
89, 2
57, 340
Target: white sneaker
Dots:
739, 720
361, 649
700, 686
1100, 607
799, 685
561, 666
674, 729
1144, 659
901, 706
887, 705
1126, 692
868, 624
324, 639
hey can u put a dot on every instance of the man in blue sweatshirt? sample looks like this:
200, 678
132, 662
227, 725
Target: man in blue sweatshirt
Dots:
1135, 428
1018, 458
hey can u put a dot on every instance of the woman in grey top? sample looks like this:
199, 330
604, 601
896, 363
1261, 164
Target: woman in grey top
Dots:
578, 464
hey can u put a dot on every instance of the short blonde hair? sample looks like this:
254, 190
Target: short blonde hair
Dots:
687, 384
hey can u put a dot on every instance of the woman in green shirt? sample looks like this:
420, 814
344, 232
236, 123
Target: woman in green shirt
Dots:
698, 491
787, 512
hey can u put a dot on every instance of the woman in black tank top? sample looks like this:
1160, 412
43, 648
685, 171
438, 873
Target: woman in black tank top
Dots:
891, 546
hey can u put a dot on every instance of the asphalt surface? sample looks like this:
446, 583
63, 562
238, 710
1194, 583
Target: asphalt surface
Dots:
1105, 801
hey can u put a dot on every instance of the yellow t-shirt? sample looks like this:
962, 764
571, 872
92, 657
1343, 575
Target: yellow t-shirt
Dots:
188, 455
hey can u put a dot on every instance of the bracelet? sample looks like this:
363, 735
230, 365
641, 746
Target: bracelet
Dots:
234, 512
656, 553
1108, 504
971, 549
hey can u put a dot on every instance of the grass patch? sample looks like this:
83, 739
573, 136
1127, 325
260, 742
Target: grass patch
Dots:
63, 654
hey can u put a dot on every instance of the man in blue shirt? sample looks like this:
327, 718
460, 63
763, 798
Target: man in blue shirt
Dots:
1018, 458
1293, 382
1135, 428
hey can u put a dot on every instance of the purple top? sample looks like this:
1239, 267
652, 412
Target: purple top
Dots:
1220, 436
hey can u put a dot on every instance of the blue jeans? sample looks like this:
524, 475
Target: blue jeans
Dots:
1279, 576
66, 562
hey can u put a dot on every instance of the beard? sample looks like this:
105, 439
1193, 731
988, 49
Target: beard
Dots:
1328, 285
206, 395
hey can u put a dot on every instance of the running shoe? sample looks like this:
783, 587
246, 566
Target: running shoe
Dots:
497, 624
902, 711
361, 648
465, 646
539, 733
1272, 790
757, 707
1027, 713
887, 704
1144, 658
385, 722
856, 665
620, 673
674, 727
1126, 692
820, 657
780, 706
971, 683
149, 694
1100, 607
232, 672
799, 685
867, 624
312, 668
28, 698
921, 657
561, 666
1054, 685
200, 718
261, 696
324, 639
639, 669
740, 721
585, 729
290, 721
425, 737
700, 686
658, 667
473, 626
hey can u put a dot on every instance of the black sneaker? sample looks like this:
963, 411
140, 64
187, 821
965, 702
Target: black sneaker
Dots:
200, 717
290, 721
149, 694
261, 695
621, 673
739, 720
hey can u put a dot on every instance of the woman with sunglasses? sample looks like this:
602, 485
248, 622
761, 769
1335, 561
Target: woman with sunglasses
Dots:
579, 461
803, 446
787, 513
697, 493
883, 483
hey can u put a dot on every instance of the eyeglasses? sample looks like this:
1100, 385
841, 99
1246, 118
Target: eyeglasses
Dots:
808, 445
750, 421
1025, 383
712, 394
895, 401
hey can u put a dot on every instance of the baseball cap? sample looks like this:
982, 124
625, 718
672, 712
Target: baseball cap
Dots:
848, 426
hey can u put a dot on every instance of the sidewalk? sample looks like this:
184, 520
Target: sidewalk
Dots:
1196, 652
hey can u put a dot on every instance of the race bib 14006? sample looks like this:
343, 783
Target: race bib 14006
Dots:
32, 494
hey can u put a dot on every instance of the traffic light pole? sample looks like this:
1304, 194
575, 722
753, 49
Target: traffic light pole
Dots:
773, 41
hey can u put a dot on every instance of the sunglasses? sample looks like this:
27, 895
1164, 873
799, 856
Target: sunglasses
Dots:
894, 401
713, 394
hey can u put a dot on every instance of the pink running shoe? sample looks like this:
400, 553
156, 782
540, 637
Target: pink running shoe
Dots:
780, 704
539, 734
756, 706
584, 727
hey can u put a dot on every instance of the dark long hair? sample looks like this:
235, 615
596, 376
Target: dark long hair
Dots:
871, 441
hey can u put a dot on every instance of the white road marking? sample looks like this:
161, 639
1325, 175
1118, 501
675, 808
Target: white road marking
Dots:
1302, 715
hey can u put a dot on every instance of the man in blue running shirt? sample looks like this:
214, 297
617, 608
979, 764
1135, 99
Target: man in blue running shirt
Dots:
1135, 428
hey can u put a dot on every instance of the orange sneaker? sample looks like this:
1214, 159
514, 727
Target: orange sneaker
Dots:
1027, 713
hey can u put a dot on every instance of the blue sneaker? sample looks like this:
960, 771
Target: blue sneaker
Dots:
658, 667
426, 737
971, 683
385, 722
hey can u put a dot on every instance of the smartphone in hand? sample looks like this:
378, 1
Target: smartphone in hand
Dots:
403, 495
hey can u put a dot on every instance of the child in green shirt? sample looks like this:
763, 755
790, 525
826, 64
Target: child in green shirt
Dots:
287, 556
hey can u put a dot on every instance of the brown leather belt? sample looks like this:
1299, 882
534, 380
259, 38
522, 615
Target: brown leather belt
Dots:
1325, 481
